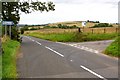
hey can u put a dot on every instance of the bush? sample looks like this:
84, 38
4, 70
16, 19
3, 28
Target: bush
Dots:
53, 27
33, 28
22, 30
25, 28
102, 25
15, 34
66, 27
47, 27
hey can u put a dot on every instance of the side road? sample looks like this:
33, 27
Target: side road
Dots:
100, 46
97, 47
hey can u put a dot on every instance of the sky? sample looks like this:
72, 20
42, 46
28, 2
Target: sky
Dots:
105, 11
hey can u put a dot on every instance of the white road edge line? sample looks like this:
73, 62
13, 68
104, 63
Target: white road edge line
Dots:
33, 40
38, 42
54, 51
101, 77
81, 47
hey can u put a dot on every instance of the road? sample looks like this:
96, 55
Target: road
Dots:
45, 59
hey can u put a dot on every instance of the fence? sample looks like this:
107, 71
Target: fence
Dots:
86, 30
101, 30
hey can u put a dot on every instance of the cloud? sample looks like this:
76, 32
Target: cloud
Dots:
76, 10
69, 1
111, 2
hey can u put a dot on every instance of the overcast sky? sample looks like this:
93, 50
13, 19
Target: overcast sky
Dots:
75, 10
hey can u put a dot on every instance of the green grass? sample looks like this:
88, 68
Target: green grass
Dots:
0, 30
63, 37
112, 49
103, 36
10, 48
73, 36
0, 66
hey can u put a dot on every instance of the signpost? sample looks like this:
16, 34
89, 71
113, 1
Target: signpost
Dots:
7, 23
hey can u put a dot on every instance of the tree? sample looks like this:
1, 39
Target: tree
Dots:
102, 25
11, 11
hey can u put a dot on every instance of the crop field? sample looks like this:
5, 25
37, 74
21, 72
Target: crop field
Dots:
101, 30
85, 30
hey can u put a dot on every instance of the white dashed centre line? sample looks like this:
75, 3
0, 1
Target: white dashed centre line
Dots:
54, 51
71, 60
38, 42
101, 77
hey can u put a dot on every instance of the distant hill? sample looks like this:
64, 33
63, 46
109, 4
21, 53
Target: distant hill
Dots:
71, 23
78, 23
68, 23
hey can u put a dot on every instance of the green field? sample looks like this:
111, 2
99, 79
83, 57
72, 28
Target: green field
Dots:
73, 36
10, 48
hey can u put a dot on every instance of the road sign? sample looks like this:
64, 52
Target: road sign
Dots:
9, 23
84, 23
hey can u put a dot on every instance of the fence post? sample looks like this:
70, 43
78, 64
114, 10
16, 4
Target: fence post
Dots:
92, 31
104, 30
79, 30
116, 30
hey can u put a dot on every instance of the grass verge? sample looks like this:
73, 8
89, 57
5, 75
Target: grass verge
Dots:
112, 49
73, 36
62, 37
10, 48
0, 66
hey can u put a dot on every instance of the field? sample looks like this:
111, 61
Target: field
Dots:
72, 35
71, 23
101, 30
85, 30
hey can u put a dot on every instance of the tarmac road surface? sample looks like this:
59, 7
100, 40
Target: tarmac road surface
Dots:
45, 59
